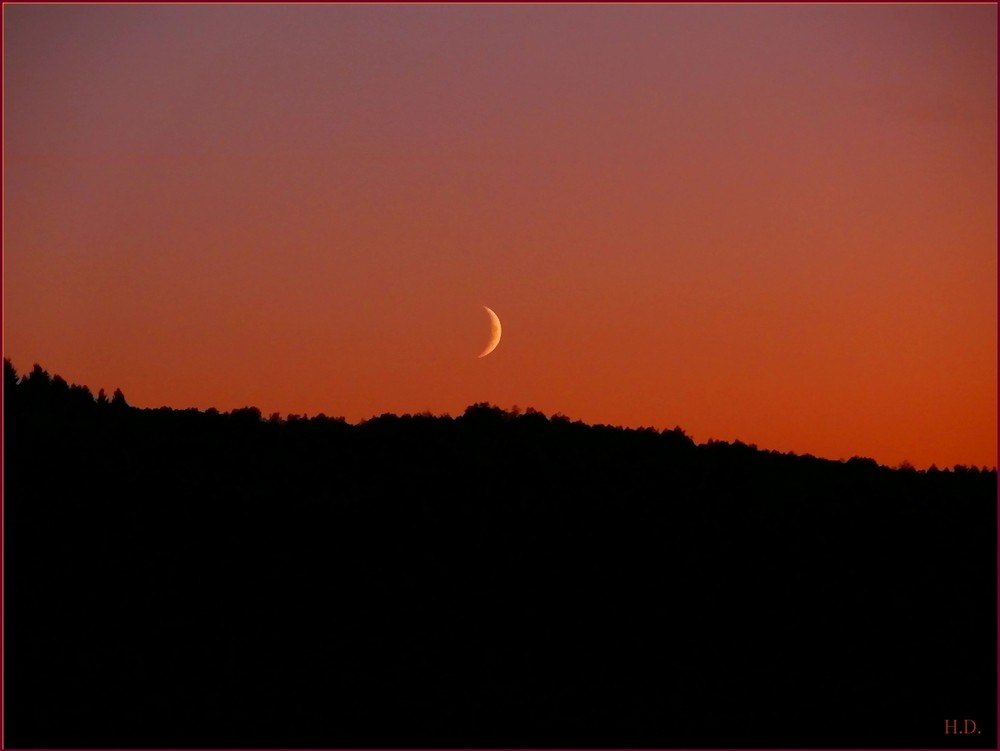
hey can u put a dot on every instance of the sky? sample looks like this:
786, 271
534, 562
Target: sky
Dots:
767, 223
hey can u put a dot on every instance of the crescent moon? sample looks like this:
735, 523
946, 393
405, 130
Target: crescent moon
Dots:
494, 332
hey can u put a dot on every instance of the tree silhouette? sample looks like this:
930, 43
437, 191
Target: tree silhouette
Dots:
183, 578
10, 378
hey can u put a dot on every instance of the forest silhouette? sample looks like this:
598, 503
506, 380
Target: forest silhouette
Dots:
186, 578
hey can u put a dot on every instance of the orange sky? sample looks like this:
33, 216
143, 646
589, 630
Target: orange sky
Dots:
769, 223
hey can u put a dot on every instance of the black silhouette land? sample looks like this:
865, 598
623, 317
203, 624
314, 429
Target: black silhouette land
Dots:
184, 578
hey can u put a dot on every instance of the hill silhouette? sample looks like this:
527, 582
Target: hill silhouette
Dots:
186, 578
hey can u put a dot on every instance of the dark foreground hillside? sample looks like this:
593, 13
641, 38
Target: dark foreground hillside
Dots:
196, 579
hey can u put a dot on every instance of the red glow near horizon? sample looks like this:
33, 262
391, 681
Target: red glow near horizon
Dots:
768, 223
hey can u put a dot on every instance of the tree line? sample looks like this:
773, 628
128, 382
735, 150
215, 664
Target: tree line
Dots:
180, 578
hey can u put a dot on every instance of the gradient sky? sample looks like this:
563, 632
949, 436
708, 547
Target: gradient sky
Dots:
772, 223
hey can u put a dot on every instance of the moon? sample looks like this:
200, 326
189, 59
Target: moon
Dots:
494, 332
